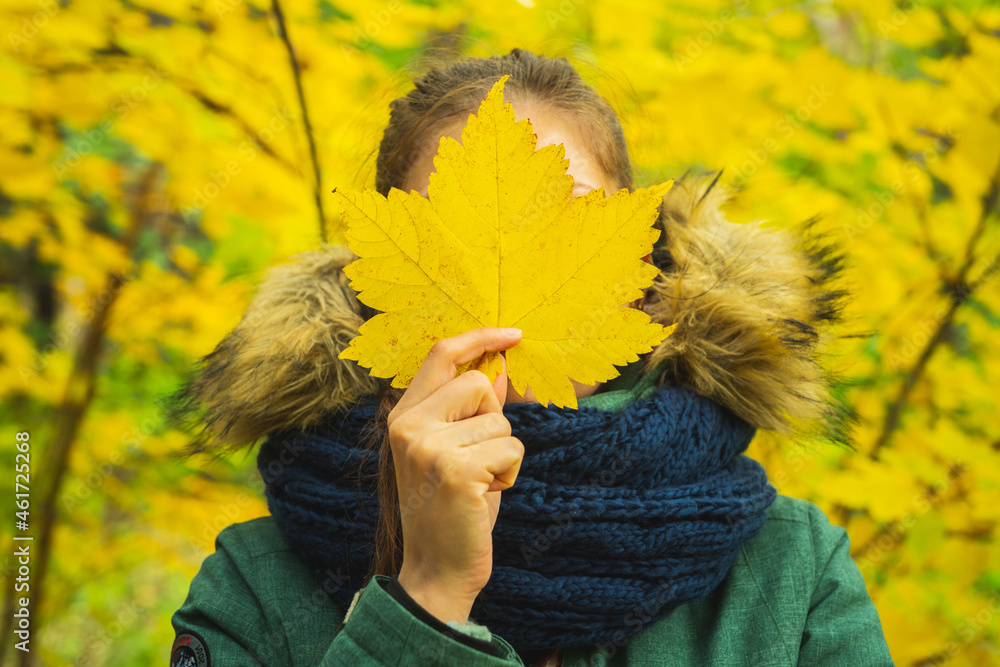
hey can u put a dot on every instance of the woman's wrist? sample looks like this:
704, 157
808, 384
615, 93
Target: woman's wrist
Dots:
436, 599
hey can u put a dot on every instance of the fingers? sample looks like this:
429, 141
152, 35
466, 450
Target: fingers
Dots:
469, 394
495, 462
500, 383
473, 430
499, 456
446, 355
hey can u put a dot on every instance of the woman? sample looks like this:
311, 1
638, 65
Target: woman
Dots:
460, 523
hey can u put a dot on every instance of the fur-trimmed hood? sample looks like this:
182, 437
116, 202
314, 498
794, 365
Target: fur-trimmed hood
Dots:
754, 307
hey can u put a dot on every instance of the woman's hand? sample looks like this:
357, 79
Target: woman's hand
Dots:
453, 455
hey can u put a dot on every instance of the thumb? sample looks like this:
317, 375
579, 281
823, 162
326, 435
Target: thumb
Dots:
500, 382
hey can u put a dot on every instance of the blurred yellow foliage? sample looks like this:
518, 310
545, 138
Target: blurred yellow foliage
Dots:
155, 158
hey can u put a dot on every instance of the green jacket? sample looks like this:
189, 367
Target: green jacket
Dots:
794, 596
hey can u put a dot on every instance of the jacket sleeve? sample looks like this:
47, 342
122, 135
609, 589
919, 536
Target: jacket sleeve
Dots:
380, 630
224, 623
842, 627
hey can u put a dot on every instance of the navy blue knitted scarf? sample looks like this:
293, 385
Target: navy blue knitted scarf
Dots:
616, 518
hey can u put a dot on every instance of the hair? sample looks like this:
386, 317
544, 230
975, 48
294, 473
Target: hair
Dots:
443, 95
454, 91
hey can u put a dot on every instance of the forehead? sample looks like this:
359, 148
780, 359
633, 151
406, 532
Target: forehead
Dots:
551, 126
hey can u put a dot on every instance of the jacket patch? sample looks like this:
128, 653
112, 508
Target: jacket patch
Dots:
189, 650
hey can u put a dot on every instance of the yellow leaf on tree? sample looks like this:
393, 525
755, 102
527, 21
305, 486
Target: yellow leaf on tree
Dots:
501, 241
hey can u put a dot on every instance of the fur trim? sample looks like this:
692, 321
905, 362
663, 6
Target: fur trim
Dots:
279, 368
753, 307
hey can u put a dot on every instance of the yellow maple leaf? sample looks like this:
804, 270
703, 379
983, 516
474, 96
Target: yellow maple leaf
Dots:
501, 241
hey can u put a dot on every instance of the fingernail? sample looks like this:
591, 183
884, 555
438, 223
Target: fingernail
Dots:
509, 331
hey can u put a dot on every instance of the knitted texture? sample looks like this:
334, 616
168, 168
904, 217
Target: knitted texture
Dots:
616, 518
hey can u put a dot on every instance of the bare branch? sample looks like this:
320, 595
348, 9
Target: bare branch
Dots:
960, 291
297, 74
